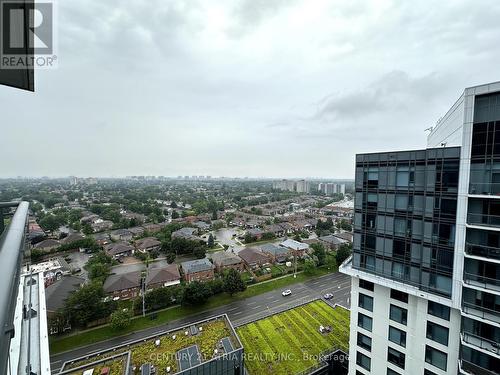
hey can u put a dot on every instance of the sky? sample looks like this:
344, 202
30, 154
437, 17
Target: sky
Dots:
260, 88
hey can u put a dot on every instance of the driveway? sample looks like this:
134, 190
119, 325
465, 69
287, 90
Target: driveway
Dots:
78, 260
137, 266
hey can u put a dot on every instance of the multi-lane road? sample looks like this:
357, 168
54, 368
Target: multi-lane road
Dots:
239, 312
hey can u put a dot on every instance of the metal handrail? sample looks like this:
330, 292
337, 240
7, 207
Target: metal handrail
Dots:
11, 256
484, 343
486, 251
484, 188
470, 278
472, 368
467, 307
483, 219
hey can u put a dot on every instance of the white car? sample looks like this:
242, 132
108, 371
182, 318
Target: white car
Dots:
286, 292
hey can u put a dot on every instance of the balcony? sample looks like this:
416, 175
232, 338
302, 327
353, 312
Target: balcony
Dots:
484, 251
485, 220
481, 342
467, 367
481, 188
483, 282
480, 312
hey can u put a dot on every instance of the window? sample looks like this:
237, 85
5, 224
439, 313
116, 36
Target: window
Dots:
364, 322
400, 296
436, 309
435, 357
398, 314
397, 336
437, 333
364, 342
359, 372
427, 372
363, 361
366, 284
365, 302
392, 372
396, 358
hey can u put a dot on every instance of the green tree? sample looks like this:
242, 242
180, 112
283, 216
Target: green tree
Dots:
87, 229
120, 319
233, 282
309, 267
319, 252
200, 251
214, 215
249, 238
175, 215
196, 293
343, 252
211, 241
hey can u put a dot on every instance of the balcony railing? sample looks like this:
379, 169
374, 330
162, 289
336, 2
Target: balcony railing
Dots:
11, 256
483, 219
482, 250
480, 312
473, 369
482, 281
483, 188
481, 342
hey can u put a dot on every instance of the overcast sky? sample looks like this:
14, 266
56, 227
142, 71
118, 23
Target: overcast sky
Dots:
275, 88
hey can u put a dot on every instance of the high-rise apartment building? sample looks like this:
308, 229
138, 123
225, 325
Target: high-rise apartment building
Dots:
426, 254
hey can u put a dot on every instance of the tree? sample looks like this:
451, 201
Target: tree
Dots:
175, 215
173, 205
200, 252
196, 293
170, 257
50, 223
233, 282
309, 267
210, 241
87, 229
268, 236
86, 305
250, 238
343, 252
319, 252
345, 225
120, 319
214, 215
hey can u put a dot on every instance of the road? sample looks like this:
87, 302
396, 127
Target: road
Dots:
239, 312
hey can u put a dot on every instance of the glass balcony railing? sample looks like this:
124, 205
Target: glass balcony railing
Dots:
483, 219
484, 251
482, 188
481, 342
473, 369
482, 281
480, 311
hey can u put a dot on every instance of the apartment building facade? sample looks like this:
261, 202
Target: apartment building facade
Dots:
426, 254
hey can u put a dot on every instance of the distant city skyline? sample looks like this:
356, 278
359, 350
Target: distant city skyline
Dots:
253, 87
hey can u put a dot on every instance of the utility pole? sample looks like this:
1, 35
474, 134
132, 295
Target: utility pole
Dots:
295, 265
144, 277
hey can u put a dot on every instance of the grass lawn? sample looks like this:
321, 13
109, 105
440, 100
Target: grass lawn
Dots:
290, 342
81, 338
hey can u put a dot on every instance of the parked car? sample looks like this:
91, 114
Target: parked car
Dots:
286, 292
328, 296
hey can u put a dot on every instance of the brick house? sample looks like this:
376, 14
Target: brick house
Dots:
163, 277
253, 257
198, 270
124, 286
224, 260
147, 244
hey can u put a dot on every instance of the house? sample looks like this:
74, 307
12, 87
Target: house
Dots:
298, 248
136, 231
101, 225
344, 236
57, 293
198, 270
119, 249
332, 242
153, 228
253, 257
121, 235
73, 237
47, 245
187, 233
123, 286
202, 226
101, 238
275, 229
164, 276
255, 232
277, 253
224, 260
147, 244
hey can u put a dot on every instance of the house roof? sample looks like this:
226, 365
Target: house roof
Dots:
197, 265
344, 235
252, 255
332, 240
163, 274
72, 238
118, 248
57, 293
47, 243
127, 280
273, 249
147, 242
121, 232
294, 245
225, 258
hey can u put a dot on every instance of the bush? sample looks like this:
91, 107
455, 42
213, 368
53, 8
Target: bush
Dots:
120, 319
